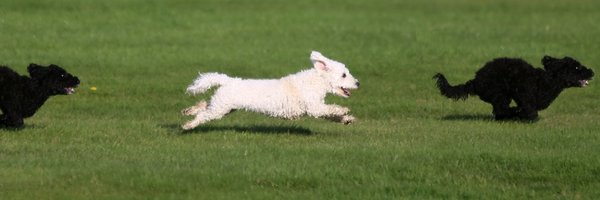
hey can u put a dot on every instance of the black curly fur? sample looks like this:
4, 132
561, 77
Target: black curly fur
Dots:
22, 96
461, 91
503, 80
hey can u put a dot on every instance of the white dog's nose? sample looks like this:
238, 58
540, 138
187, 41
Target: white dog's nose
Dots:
357, 83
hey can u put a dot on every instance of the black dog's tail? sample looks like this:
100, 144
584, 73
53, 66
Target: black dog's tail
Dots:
461, 91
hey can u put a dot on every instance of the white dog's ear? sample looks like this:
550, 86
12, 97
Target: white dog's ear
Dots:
319, 61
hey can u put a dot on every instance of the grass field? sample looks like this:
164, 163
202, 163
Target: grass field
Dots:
123, 140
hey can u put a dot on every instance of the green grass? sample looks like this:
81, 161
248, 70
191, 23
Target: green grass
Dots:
123, 141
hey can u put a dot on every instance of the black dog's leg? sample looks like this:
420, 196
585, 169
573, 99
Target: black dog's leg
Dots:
502, 110
2, 120
527, 113
514, 111
11, 117
13, 120
526, 109
3, 117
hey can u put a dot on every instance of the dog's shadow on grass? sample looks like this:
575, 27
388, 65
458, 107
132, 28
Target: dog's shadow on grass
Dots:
481, 117
18, 129
241, 129
475, 117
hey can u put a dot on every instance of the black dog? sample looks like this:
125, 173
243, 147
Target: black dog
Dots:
505, 79
22, 96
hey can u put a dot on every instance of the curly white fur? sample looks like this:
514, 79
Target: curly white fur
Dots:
290, 97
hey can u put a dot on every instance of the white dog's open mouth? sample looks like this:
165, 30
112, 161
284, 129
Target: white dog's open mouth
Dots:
584, 83
69, 90
344, 92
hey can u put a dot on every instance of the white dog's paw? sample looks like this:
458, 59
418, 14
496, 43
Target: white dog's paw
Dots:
339, 110
345, 110
189, 126
188, 111
200, 106
348, 119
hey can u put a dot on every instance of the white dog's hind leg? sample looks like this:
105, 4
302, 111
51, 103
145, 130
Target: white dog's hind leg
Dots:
206, 115
193, 110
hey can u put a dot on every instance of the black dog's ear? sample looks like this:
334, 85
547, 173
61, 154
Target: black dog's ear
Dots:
546, 60
53, 66
569, 59
32, 68
36, 71
551, 64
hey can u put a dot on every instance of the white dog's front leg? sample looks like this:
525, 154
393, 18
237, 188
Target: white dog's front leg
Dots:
193, 110
204, 116
192, 123
325, 110
345, 119
348, 119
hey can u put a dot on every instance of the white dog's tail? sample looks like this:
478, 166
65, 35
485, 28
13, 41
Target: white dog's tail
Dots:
205, 81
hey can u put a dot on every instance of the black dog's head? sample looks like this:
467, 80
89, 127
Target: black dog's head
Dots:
568, 71
53, 77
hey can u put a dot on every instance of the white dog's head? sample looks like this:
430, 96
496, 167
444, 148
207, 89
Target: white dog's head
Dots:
335, 73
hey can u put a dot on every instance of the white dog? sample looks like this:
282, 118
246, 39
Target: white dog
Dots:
290, 97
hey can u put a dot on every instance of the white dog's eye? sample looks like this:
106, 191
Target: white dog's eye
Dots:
344, 75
